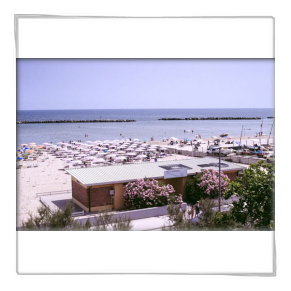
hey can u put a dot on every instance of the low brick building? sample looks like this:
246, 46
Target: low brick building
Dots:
102, 187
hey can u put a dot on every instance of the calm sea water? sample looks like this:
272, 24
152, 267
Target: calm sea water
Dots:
146, 126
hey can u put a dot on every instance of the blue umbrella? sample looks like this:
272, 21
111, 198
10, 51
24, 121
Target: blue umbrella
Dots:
237, 142
26, 148
18, 158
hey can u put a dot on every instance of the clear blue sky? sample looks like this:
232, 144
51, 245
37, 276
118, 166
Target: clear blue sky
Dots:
144, 83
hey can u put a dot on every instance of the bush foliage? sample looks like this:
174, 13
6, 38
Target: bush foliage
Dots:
145, 193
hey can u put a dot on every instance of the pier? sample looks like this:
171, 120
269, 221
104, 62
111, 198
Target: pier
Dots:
212, 118
75, 121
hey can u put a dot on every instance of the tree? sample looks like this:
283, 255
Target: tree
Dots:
193, 192
256, 193
62, 220
209, 220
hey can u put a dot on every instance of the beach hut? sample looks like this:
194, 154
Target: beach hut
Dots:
94, 187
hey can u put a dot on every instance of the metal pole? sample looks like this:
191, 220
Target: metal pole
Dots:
270, 132
219, 191
240, 136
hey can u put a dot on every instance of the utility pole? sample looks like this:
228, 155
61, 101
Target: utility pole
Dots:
219, 187
261, 132
240, 136
270, 132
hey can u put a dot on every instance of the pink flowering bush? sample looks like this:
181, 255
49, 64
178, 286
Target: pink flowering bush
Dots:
210, 182
145, 193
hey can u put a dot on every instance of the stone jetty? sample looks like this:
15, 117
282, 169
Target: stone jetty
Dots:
75, 121
212, 118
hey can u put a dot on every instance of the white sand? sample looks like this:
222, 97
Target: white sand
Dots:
48, 177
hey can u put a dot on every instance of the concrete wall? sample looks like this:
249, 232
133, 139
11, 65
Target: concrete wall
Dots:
133, 214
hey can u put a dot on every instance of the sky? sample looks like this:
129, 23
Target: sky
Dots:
48, 84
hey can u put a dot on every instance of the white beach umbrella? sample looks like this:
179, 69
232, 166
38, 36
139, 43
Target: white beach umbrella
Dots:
120, 158
141, 156
82, 155
98, 160
111, 156
62, 150
93, 152
164, 149
89, 158
120, 152
136, 139
97, 148
85, 150
67, 159
76, 162
101, 154
112, 151
140, 150
174, 138
130, 154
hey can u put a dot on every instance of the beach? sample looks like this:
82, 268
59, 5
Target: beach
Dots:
49, 174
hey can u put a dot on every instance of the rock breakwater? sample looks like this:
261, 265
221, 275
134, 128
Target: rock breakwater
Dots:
212, 118
75, 121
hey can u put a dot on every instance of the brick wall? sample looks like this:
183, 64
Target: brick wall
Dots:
80, 193
100, 196
231, 175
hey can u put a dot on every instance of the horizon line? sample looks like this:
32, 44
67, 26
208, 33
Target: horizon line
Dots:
150, 108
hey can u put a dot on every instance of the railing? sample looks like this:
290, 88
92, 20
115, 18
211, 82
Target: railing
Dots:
78, 213
45, 204
53, 193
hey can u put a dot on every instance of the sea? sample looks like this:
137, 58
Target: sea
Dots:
146, 127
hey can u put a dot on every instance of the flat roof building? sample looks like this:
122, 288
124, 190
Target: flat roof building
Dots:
94, 188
